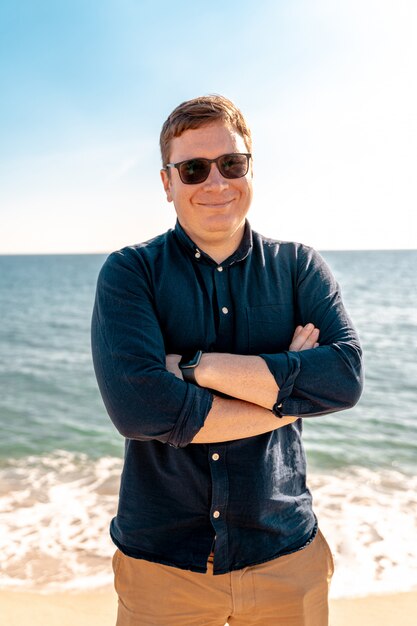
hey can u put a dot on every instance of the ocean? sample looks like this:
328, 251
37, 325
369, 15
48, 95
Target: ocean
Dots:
60, 456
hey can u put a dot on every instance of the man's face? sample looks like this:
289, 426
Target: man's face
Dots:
213, 212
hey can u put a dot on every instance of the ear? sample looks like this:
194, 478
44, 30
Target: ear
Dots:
166, 181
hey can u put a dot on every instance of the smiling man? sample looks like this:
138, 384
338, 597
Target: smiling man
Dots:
211, 344
212, 212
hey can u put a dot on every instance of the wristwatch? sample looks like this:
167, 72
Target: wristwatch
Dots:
276, 410
188, 364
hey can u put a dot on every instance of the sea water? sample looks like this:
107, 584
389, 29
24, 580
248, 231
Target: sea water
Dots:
60, 456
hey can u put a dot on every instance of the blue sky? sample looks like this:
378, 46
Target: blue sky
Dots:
328, 89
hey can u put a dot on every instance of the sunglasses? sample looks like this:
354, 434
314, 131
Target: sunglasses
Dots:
194, 171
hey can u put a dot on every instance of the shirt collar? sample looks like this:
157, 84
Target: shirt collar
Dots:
244, 249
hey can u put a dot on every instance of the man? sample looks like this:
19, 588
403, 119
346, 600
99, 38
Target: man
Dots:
210, 344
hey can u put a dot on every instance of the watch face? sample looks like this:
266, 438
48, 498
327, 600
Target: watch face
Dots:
190, 360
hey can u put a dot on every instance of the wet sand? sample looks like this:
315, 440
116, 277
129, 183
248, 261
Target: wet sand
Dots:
98, 608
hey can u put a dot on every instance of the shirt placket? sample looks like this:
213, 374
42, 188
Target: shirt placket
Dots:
217, 451
219, 503
224, 342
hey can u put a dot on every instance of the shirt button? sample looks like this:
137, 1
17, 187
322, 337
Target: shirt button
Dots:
215, 456
197, 254
216, 514
220, 269
225, 310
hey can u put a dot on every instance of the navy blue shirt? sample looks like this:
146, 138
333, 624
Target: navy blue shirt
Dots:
247, 498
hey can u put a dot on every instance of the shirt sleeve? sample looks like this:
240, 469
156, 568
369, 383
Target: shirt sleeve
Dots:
330, 377
142, 398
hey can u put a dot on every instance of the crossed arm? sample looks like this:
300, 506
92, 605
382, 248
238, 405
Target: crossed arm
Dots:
250, 384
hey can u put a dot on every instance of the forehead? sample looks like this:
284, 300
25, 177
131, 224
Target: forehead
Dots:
207, 141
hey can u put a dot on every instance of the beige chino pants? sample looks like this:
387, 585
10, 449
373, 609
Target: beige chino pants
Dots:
289, 591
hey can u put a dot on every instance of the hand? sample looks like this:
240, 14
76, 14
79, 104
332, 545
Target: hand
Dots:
171, 363
304, 338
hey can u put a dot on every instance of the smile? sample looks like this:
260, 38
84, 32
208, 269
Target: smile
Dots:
216, 205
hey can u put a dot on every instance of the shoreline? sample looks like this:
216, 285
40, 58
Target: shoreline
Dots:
98, 608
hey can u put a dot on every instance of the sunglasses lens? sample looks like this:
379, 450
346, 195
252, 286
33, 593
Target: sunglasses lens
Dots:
233, 165
194, 171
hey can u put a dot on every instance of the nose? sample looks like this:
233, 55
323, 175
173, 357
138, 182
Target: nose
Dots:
215, 179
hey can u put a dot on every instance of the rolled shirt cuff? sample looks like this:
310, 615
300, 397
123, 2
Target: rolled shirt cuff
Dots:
285, 368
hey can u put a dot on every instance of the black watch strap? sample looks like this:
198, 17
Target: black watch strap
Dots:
188, 364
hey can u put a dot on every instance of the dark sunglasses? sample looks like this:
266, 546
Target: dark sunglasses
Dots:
194, 171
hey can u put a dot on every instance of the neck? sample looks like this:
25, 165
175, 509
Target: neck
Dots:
219, 251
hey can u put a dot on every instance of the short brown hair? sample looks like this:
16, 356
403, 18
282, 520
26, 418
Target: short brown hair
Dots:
199, 112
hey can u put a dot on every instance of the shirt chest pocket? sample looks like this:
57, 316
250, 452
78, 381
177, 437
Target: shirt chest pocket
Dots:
270, 327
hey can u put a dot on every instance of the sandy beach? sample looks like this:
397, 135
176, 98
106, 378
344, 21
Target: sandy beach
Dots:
98, 608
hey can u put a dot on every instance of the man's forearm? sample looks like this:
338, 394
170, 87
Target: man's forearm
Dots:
235, 419
248, 377
243, 377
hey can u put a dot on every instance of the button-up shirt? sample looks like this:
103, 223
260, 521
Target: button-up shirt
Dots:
248, 498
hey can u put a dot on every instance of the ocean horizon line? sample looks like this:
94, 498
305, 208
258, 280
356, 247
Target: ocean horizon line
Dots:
100, 253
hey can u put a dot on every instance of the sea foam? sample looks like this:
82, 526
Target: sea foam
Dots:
55, 512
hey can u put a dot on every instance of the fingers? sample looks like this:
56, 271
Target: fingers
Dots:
171, 362
305, 338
